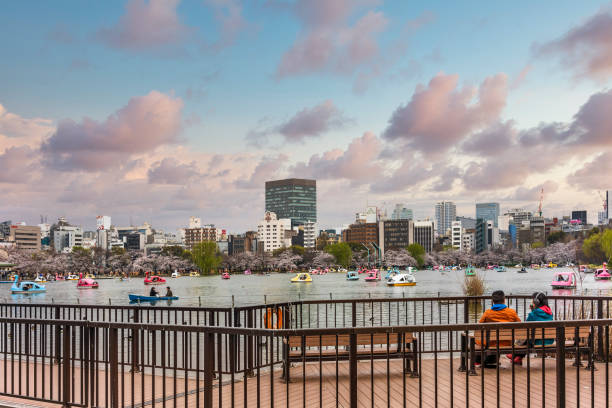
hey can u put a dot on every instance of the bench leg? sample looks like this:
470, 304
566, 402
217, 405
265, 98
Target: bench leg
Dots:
415, 359
462, 360
577, 362
472, 356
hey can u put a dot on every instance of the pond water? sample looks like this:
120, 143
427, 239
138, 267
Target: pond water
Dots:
252, 289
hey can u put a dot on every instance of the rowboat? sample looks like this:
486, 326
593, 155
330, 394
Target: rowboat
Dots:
141, 298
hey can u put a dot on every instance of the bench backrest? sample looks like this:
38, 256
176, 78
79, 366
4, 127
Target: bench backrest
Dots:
549, 333
331, 340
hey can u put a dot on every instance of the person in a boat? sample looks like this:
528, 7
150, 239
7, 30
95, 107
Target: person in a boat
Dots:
561, 278
168, 292
153, 292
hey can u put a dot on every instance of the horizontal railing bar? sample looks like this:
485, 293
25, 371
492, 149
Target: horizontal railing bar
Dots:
317, 331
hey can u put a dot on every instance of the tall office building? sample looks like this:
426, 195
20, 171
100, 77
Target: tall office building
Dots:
295, 199
401, 213
424, 234
446, 213
488, 211
517, 216
580, 215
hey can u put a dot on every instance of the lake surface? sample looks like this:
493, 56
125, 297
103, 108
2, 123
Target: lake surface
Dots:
251, 289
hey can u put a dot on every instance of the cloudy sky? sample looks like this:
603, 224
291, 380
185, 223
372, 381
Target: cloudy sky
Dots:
155, 110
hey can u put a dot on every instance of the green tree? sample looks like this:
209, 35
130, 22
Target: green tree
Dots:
592, 248
206, 256
118, 250
554, 237
606, 244
173, 250
342, 252
417, 252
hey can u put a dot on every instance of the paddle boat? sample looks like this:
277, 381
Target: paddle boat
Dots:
602, 273
153, 280
372, 276
313, 271
89, 276
141, 298
564, 280
402, 279
247, 272
59, 277
500, 268
194, 274
522, 270
491, 267
87, 283
391, 272
342, 270
551, 265
225, 275
175, 274
582, 268
302, 277
72, 277
26, 287
323, 271
518, 266
535, 266
470, 271
352, 275
40, 279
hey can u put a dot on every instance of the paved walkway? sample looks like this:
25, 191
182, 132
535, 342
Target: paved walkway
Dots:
312, 387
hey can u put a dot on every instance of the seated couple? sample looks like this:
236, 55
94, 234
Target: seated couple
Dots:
500, 312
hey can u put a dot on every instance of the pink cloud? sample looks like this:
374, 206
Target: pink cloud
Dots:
328, 41
593, 174
586, 49
358, 163
145, 123
171, 171
17, 164
310, 122
533, 194
441, 114
146, 25
268, 168
15, 126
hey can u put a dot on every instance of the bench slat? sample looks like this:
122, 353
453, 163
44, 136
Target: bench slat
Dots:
344, 340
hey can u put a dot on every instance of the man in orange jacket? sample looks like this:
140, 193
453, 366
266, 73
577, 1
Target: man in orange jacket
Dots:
498, 313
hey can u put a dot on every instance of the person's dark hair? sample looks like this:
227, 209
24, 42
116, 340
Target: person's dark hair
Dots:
539, 299
498, 297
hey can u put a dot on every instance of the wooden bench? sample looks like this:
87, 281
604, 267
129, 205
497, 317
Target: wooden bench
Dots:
485, 343
337, 347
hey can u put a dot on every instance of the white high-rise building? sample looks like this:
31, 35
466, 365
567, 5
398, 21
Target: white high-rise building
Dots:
272, 232
310, 234
446, 214
103, 222
67, 237
456, 234
195, 222
467, 241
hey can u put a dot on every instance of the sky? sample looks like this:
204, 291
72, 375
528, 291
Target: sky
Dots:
157, 110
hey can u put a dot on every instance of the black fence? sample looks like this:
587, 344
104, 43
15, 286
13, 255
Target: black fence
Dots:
367, 352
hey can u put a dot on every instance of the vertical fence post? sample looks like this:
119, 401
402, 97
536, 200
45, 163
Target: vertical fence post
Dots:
600, 335
136, 342
560, 374
66, 380
249, 340
466, 310
113, 352
58, 341
354, 313
353, 368
209, 366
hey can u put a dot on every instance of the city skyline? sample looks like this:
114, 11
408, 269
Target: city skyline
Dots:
193, 117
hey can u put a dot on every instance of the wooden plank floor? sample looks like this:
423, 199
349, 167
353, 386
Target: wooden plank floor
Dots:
312, 387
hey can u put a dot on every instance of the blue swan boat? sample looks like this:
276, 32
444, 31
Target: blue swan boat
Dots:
26, 286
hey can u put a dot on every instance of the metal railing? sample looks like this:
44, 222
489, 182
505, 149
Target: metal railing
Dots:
80, 363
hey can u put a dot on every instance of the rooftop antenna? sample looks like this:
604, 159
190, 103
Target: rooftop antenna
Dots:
541, 200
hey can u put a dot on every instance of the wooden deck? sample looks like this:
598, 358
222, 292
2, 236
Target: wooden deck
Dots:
314, 390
